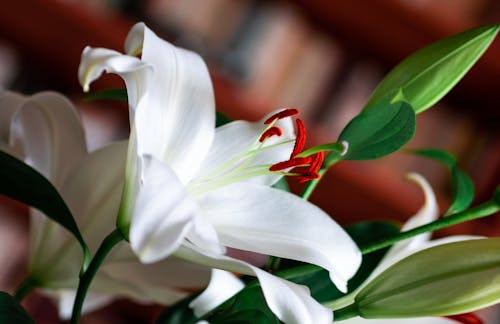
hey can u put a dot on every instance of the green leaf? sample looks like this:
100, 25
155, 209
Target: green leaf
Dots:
428, 74
247, 307
119, 94
379, 131
23, 183
462, 186
11, 311
448, 279
178, 313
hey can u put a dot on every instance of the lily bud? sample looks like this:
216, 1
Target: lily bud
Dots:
448, 279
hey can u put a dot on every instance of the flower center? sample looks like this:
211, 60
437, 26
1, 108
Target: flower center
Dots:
245, 165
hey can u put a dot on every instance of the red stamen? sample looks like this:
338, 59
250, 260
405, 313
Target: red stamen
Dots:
300, 139
308, 176
290, 163
282, 114
273, 131
468, 318
317, 162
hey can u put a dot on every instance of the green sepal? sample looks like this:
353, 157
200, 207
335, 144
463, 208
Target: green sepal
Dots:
462, 185
447, 279
12, 312
430, 73
379, 131
21, 182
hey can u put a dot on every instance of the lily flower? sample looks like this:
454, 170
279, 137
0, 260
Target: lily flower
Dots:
427, 213
192, 190
45, 131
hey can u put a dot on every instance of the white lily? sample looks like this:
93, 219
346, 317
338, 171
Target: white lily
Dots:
44, 130
428, 213
193, 190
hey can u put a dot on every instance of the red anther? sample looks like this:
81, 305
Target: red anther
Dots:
291, 163
273, 131
282, 114
308, 176
317, 162
468, 318
300, 139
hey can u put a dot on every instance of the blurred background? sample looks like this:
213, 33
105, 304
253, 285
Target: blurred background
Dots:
322, 56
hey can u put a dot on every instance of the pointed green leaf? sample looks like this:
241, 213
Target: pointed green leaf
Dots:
119, 94
462, 186
11, 311
21, 182
428, 74
379, 131
448, 279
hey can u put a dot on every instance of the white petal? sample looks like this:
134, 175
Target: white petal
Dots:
65, 299
163, 282
234, 139
94, 204
51, 133
177, 123
163, 212
290, 302
427, 213
223, 285
172, 271
10, 102
256, 218
136, 74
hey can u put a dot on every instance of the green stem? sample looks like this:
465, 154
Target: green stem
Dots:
25, 288
86, 279
485, 209
346, 312
330, 160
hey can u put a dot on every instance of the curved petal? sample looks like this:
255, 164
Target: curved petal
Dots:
136, 74
163, 212
427, 213
233, 141
48, 127
290, 302
177, 123
222, 286
94, 205
256, 218
10, 102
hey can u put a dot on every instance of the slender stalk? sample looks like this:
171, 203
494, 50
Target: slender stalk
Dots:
107, 244
25, 288
330, 160
346, 312
485, 209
